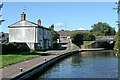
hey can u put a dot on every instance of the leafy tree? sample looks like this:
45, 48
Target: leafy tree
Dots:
103, 29
54, 34
79, 37
51, 27
117, 43
87, 36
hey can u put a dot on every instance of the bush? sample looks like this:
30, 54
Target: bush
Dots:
54, 35
117, 43
55, 46
79, 37
12, 48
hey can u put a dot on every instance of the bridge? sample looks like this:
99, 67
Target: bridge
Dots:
104, 38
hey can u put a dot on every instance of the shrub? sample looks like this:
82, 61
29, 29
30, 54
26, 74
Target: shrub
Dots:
117, 43
79, 37
12, 48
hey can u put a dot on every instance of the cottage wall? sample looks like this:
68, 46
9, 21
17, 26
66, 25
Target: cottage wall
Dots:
19, 35
34, 35
39, 38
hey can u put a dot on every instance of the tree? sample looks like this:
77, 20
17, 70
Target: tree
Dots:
117, 38
54, 34
51, 27
79, 37
1, 5
103, 29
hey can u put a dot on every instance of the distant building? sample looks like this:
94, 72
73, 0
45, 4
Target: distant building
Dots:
36, 36
65, 34
4, 37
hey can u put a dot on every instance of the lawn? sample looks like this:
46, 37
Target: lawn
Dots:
15, 58
87, 42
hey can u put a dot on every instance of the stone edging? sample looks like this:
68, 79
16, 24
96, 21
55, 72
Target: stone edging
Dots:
28, 74
32, 71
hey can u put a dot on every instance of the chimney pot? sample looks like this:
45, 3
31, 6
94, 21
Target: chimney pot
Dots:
23, 16
39, 22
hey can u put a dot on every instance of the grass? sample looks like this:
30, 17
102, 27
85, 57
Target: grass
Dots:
87, 42
15, 58
69, 50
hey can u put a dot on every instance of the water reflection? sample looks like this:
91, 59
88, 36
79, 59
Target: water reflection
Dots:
92, 64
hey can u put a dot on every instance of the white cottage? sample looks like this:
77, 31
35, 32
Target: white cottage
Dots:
36, 36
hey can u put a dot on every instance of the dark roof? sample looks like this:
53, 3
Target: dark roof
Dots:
68, 33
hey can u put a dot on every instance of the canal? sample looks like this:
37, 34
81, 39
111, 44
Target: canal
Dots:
89, 64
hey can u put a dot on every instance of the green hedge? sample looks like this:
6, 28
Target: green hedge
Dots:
12, 48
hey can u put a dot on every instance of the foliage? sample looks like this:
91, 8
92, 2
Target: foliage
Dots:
87, 36
54, 34
19, 57
103, 29
117, 43
12, 48
51, 27
79, 37
56, 45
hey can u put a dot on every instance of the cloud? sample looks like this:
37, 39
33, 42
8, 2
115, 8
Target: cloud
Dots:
59, 24
81, 29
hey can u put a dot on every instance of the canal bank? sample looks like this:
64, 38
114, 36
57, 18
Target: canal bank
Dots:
86, 65
33, 70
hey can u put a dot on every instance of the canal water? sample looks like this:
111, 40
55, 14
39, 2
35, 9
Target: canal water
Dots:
90, 64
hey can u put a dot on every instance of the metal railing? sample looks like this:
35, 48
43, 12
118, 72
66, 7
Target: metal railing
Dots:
104, 37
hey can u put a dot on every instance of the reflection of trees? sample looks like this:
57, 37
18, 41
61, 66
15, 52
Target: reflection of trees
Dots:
119, 68
76, 59
106, 53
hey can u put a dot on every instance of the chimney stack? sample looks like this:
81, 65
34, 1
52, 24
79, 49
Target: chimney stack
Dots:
39, 22
23, 16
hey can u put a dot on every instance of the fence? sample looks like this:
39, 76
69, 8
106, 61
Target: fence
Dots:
104, 37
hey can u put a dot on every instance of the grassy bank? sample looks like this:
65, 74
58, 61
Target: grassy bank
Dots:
69, 50
87, 42
15, 58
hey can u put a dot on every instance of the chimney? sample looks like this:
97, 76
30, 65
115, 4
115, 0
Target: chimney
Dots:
23, 16
39, 22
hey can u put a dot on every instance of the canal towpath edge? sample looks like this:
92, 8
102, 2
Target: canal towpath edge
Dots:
13, 70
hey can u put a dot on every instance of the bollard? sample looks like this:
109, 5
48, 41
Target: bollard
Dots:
45, 59
21, 69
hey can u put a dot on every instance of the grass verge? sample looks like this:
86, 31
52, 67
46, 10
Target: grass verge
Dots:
87, 42
15, 58
69, 50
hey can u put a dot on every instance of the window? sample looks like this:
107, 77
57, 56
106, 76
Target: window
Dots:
40, 32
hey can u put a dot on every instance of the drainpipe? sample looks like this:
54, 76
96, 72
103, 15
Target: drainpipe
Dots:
35, 38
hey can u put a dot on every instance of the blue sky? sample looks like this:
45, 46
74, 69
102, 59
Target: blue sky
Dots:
73, 15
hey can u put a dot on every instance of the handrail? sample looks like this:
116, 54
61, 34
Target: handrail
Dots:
104, 37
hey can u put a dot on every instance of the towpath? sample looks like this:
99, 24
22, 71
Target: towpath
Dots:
13, 70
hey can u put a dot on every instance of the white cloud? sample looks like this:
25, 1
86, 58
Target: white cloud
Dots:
81, 29
59, 24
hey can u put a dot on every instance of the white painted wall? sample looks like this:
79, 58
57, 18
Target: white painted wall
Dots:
26, 34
